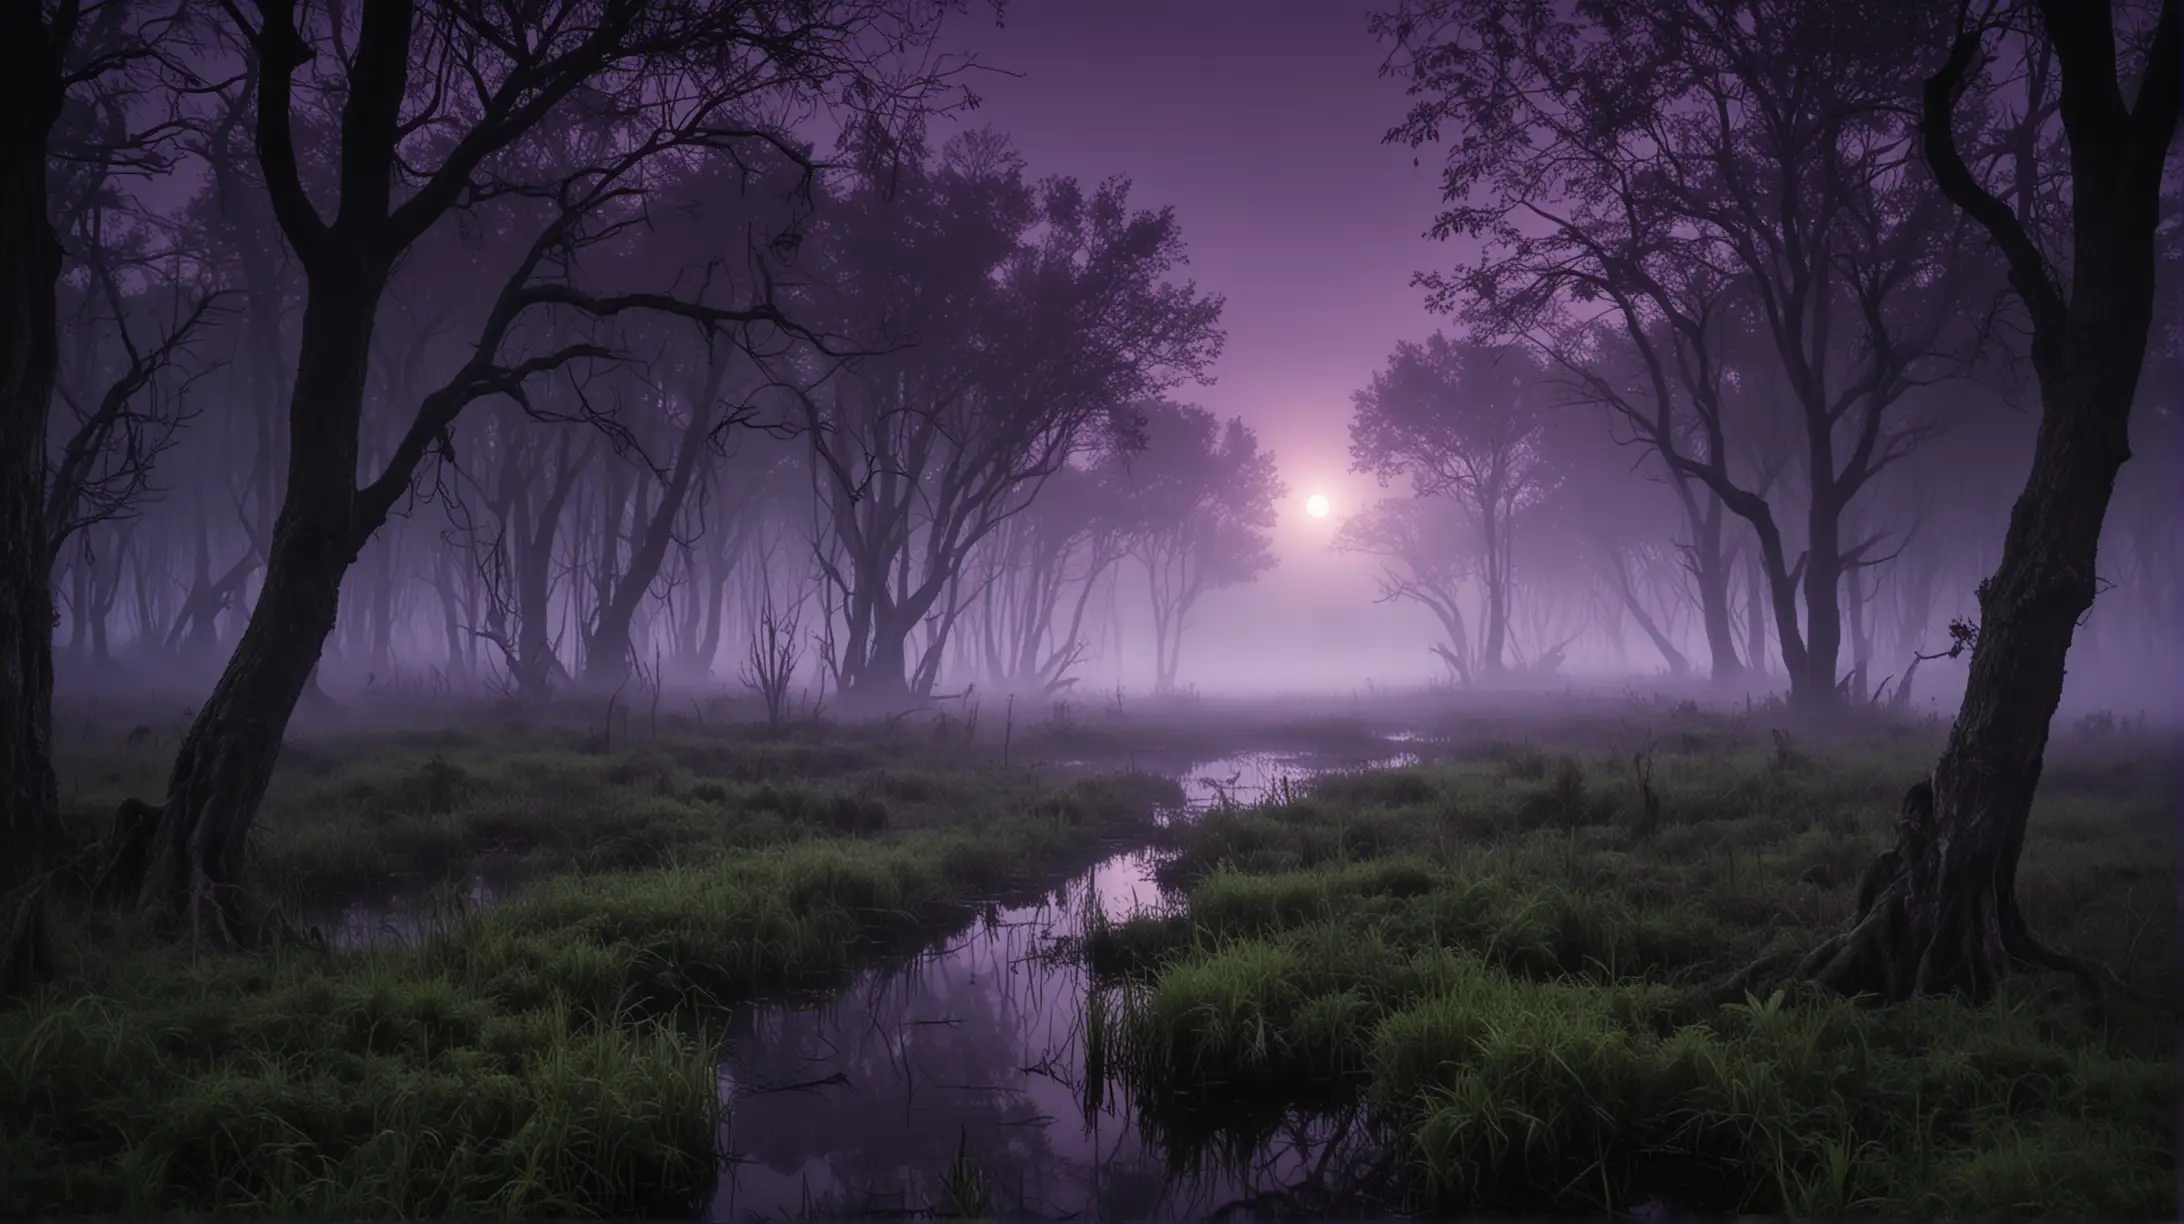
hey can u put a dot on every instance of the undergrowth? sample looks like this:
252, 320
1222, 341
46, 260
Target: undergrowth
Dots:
548, 1056
1506, 955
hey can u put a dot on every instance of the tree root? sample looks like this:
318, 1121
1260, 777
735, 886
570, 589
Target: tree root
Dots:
1909, 940
216, 914
2093, 978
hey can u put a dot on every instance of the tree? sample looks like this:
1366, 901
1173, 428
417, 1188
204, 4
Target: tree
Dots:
1724, 182
31, 55
1462, 419
1030, 632
1946, 919
54, 58
1613, 373
1623, 522
1421, 541
1018, 320
698, 390
1205, 493
439, 109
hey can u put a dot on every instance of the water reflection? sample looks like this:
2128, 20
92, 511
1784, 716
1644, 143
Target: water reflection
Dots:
404, 913
960, 1076
1249, 778
407, 915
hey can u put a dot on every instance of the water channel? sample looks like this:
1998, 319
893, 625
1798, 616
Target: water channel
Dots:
960, 1075
952, 1082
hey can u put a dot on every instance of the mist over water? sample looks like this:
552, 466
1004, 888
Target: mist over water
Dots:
612, 566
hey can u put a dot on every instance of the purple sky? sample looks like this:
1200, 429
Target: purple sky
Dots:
1260, 122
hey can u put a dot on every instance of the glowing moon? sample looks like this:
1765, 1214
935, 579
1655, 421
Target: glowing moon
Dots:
1316, 505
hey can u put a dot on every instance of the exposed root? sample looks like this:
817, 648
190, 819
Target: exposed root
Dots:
2094, 979
1910, 939
217, 914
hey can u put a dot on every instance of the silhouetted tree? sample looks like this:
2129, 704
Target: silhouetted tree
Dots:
1947, 919
1729, 183
1465, 420
56, 58
1612, 372
1623, 524
1204, 493
1020, 319
435, 107
1030, 628
1424, 544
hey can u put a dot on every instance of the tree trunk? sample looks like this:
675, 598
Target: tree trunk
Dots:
1755, 616
1823, 607
885, 673
187, 863
1947, 919
190, 861
535, 664
608, 652
30, 268
1492, 649
1858, 604
1627, 593
1939, 912
1710, 576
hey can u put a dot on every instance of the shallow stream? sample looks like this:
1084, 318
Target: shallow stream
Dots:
953, 1082
959, 1075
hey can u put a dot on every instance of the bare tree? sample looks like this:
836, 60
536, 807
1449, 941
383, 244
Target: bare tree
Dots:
1031, 633
1729, 184
52, 56
1421, 541
771, 667
1464, 420
436, 106
1205, 493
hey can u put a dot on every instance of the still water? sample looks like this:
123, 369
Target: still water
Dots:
955, 1084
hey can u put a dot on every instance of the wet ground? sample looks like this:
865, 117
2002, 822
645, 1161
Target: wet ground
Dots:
955, 1082
404, 912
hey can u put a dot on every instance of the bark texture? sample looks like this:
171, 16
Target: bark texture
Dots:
30, 268
1941, 915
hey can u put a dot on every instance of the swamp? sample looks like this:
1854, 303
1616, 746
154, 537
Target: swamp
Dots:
1214, 610
1196, 960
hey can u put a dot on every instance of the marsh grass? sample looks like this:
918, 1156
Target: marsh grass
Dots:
1496, 954
1506, 956
548, 1055
545, 1057
346, 815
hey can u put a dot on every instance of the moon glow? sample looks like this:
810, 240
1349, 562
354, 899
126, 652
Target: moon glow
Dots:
1316, 505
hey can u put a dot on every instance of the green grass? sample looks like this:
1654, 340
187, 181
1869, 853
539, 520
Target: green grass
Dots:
345, 815
1508, 960
1499, 954
549, 1056
527, 1062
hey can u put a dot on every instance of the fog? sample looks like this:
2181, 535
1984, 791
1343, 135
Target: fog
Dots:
1032, 397
1213, 600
